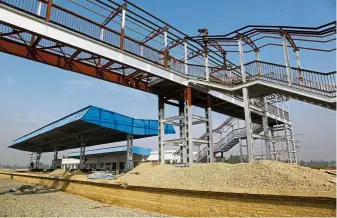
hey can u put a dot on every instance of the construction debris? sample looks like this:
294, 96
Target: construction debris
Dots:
27, 188
101, 175
258, 174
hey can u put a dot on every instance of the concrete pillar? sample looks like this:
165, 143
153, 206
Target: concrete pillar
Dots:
246, 105
129, 153
161, 149
209, 129
188, 125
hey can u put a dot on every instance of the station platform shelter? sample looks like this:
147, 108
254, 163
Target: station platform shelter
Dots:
88, 127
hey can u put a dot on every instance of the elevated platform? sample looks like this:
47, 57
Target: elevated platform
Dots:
96, 125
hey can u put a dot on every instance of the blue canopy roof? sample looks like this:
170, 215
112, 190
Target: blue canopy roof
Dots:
96, 125
123, 148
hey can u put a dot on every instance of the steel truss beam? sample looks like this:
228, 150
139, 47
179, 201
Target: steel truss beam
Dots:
56, 60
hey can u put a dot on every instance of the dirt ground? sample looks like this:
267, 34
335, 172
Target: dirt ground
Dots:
50, 203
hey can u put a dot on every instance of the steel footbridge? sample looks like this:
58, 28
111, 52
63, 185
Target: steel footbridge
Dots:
126, 45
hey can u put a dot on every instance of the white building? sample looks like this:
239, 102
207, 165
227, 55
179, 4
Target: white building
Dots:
114, 158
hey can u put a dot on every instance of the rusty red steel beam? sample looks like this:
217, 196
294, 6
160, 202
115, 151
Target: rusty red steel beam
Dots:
154, 34
174, 44
59, 61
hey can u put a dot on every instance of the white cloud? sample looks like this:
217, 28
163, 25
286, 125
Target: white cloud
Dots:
9, 80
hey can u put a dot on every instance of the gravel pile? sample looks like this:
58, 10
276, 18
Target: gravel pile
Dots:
57, 204
259, 174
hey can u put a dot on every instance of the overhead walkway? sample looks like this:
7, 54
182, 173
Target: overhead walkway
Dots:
262, 78
68, 44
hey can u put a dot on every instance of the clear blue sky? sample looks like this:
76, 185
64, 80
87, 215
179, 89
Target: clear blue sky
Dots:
34, 94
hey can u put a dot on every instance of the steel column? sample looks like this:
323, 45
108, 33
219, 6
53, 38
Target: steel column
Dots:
286, 58
257, 54
49, 6
55, 157
188, 125
206, 62
264, 107
300, 77
161, 150
182, 130
37, 160
129, 152
165, 49
185, 57
240, 148
246, 106
273, 143
287, 141
122, 27
209, 130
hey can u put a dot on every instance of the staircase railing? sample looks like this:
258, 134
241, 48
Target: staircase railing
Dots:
230, 137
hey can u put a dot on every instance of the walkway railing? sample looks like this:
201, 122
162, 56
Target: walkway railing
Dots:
317, 82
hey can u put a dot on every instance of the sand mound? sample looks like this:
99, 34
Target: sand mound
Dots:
258, 174
58, 172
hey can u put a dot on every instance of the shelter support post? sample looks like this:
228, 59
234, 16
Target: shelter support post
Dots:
246, 106
54, 164
37, 159
129, 152
265, 127
161, 149
209, 129
82, 153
